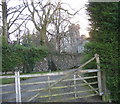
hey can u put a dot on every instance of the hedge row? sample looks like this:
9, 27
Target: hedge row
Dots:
20, 56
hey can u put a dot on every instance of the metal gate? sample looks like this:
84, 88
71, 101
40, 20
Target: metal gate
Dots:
58, 86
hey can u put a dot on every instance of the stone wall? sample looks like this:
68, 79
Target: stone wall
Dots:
61, 61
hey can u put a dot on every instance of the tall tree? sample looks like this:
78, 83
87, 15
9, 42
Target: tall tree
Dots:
61, 21
4, 17
44, 14
41, 16
104, 41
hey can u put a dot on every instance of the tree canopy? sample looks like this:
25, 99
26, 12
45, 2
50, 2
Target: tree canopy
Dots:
104, 41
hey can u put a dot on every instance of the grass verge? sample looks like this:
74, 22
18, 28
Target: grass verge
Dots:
12, 80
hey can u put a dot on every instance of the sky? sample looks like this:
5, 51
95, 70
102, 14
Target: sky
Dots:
82, 18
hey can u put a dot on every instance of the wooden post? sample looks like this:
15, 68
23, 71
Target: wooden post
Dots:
102, 84
48, 86
17, 86
99, 75
75, 88
106, 96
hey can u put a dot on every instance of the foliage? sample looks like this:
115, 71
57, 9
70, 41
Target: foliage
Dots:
31, 40
104, 35
0, 54
18, 56
104, 20
7, 81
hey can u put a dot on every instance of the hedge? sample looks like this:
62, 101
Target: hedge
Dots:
17, 56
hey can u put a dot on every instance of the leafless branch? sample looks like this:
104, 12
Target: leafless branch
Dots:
16, 17
18, 26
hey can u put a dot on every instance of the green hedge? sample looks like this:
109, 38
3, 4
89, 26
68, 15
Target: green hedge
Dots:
18, 55
109, 59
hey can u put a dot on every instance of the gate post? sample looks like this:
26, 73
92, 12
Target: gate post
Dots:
102, 84
99, 75
17, 86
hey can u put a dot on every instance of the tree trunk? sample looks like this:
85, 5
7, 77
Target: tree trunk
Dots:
51, 64
43, 36
58, 44
4, 17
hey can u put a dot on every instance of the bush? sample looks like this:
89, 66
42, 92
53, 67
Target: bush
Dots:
109, 64
18, 56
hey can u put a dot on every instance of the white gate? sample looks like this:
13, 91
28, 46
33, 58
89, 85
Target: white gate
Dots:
74, 76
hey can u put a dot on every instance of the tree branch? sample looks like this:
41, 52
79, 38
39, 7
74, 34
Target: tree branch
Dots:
17, 17
18, 26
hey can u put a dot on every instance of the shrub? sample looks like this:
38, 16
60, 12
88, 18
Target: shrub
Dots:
18, 55
109, 60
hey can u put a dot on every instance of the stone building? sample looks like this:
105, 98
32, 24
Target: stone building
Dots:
70, 42
73, 42
81, 44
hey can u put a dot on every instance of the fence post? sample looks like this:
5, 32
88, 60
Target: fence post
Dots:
17, 86
99, 75
75, 88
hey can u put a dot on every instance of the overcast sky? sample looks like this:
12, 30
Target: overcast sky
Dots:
82, 18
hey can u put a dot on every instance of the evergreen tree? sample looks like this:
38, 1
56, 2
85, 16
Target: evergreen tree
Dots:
104, 41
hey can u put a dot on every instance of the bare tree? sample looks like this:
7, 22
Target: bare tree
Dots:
12, 18
61, 21
43, 14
